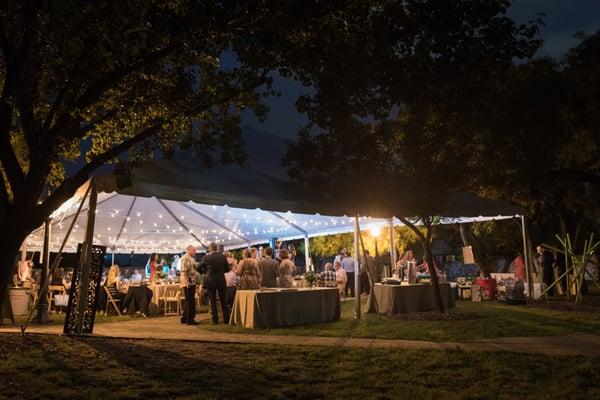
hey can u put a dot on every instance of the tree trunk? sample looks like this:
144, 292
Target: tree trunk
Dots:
433, 272
9, 248
426, 243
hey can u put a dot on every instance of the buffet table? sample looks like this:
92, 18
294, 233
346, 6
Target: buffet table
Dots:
269, 308
397, 299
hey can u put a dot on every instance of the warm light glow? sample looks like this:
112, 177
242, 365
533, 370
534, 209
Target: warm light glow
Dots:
375, 231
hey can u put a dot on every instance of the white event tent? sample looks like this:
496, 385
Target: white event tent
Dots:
174, 203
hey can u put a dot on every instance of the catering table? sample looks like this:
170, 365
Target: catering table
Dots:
258, 309
396, 299
138, 298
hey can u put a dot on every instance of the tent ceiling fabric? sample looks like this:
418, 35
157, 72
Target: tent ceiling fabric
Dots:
148, 224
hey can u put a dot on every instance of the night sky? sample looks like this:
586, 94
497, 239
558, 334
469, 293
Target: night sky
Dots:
563, 19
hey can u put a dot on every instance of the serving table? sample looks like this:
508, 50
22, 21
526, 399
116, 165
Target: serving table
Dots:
397, 299
269, 308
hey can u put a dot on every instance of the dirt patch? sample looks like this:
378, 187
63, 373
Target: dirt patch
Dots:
437, 316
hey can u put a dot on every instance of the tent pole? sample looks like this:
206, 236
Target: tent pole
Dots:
527, 259
307, 254
113, 255
43, 316
356, 270
392, 249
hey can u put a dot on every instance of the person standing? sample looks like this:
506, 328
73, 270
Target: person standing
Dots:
151, 269
248, 272
286, 270
341, 278
216, 266
189, 279
545, 260
348, 266
367, 267
232, 281
269, 269
519, 264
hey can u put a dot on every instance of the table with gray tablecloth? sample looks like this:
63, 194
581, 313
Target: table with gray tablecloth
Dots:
259, 309
396, 299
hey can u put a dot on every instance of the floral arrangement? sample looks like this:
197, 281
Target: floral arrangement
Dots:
159, 276
311, 278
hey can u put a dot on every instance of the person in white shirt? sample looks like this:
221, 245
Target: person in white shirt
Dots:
136, 278
348, 265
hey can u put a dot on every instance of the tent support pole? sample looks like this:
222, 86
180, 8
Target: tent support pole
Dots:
296, 227
527, 260
192, 209
181, 223
392, 248
307, 254
125, 221
356, 270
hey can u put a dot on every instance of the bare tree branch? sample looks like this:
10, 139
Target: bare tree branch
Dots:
69, 187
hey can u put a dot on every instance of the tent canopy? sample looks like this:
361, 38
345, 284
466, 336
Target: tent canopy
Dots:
173, 203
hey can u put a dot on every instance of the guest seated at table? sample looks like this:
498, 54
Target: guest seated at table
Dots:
340, 277
248, 272
232, 281
286, 270
328, 277
112, 284
172, 275
57, 277
136, 278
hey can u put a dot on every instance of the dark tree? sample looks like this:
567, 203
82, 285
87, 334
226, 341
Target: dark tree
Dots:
398, 126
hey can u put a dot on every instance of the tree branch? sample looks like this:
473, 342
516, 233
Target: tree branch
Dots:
3, 189
70, 186
95, 91
575, 174
11, 165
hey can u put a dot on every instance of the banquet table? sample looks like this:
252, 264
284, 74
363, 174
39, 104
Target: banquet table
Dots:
259, 309
138, 298
397, 299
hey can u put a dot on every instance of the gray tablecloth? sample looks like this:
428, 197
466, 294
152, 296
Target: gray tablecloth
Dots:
396, 299
256, 309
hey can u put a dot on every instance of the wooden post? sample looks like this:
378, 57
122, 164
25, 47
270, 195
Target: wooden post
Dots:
392, 249
43, 316
356, 270
307, 254
86, 257
527, 260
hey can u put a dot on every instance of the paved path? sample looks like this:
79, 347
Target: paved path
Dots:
169, 328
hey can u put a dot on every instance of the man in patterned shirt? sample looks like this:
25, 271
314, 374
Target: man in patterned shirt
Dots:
189, 279
328, 276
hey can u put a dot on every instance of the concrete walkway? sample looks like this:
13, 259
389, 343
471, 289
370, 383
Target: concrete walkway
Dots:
169, 328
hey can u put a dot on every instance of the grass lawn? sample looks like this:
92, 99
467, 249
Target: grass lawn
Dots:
479, 320
51, 367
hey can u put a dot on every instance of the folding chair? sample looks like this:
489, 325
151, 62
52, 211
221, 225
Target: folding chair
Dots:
171, 296
53, 290
111, 300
